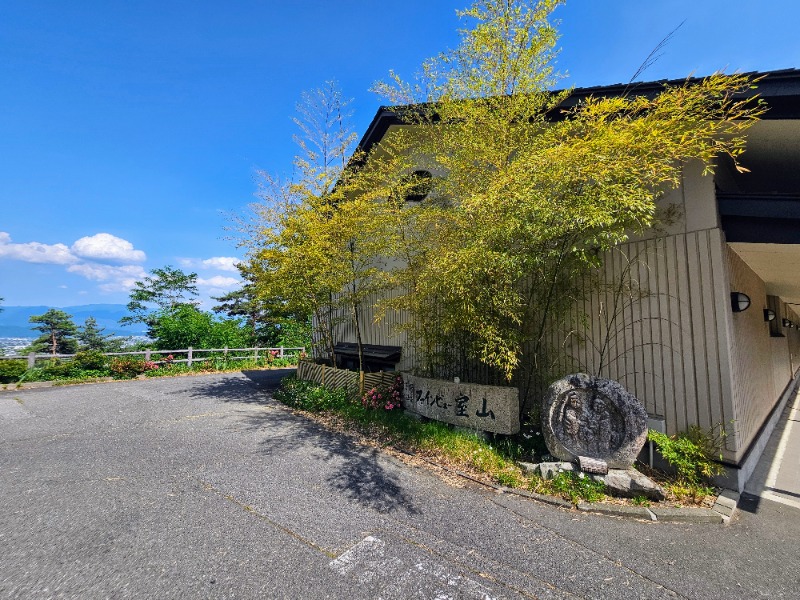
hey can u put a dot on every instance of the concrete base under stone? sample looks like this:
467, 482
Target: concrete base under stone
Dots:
723, 509
624, 483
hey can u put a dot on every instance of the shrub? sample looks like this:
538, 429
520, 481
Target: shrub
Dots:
90, 360
167, 369
123, 367
387, 398
286, 361
577, 487
55, 369
310, 396
12, 370
692, 453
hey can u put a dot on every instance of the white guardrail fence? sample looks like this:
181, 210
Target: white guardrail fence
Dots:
159, 356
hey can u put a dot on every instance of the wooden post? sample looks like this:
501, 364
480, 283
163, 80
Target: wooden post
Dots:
189, 357
31, 360
281, 354
147, 354
255, 354
225, 353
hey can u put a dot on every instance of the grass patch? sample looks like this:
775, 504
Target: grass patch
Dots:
492, 461
575, 487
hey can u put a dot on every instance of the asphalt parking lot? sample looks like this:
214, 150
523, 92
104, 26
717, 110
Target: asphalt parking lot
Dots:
204, 487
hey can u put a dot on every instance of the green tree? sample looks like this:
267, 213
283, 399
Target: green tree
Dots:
242, 303
165, 289
533, 194
293, 333
91, 336
268, 320
58, 332
186, 325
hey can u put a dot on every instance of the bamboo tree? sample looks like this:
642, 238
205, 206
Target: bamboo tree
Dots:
318, 240
536, 193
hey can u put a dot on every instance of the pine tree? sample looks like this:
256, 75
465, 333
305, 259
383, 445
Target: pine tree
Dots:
58, 332
91, 336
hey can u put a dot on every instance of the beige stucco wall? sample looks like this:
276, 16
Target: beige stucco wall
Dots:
689, 207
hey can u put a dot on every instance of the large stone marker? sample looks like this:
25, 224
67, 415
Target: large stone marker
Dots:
586, 416
480, 407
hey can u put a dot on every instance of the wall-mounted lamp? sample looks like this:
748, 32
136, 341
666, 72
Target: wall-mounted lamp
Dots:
787, 323
739, 301
769, 315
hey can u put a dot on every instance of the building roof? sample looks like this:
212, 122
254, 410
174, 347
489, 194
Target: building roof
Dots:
780, 89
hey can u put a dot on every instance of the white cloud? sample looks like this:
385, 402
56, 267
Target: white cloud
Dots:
218, 284
35, 252
104, 246
222, 263
99, 247
123, 285
217, 263
98, 272
116, 278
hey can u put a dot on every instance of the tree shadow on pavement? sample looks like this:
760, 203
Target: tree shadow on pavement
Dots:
356, 472
255, 387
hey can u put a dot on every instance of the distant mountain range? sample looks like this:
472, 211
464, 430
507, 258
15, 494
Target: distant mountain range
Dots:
14, 320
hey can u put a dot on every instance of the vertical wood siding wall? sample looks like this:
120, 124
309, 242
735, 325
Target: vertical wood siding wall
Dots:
382, 332
667, 336
672, 340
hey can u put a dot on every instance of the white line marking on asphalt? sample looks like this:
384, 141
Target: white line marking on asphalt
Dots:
367, 562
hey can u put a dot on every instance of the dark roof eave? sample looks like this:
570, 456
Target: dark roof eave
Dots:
780, 89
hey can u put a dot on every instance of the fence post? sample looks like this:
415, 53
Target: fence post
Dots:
361, 383
225, 353
189, 357
147, 354
323, 375
281, 354
31, 360
255, 354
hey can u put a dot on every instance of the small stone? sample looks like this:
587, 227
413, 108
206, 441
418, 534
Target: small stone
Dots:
551, 469
630, 483
592, 465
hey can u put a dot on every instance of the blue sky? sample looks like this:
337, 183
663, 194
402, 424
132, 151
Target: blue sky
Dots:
131, 131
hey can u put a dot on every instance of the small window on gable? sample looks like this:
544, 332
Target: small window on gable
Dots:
420, 184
